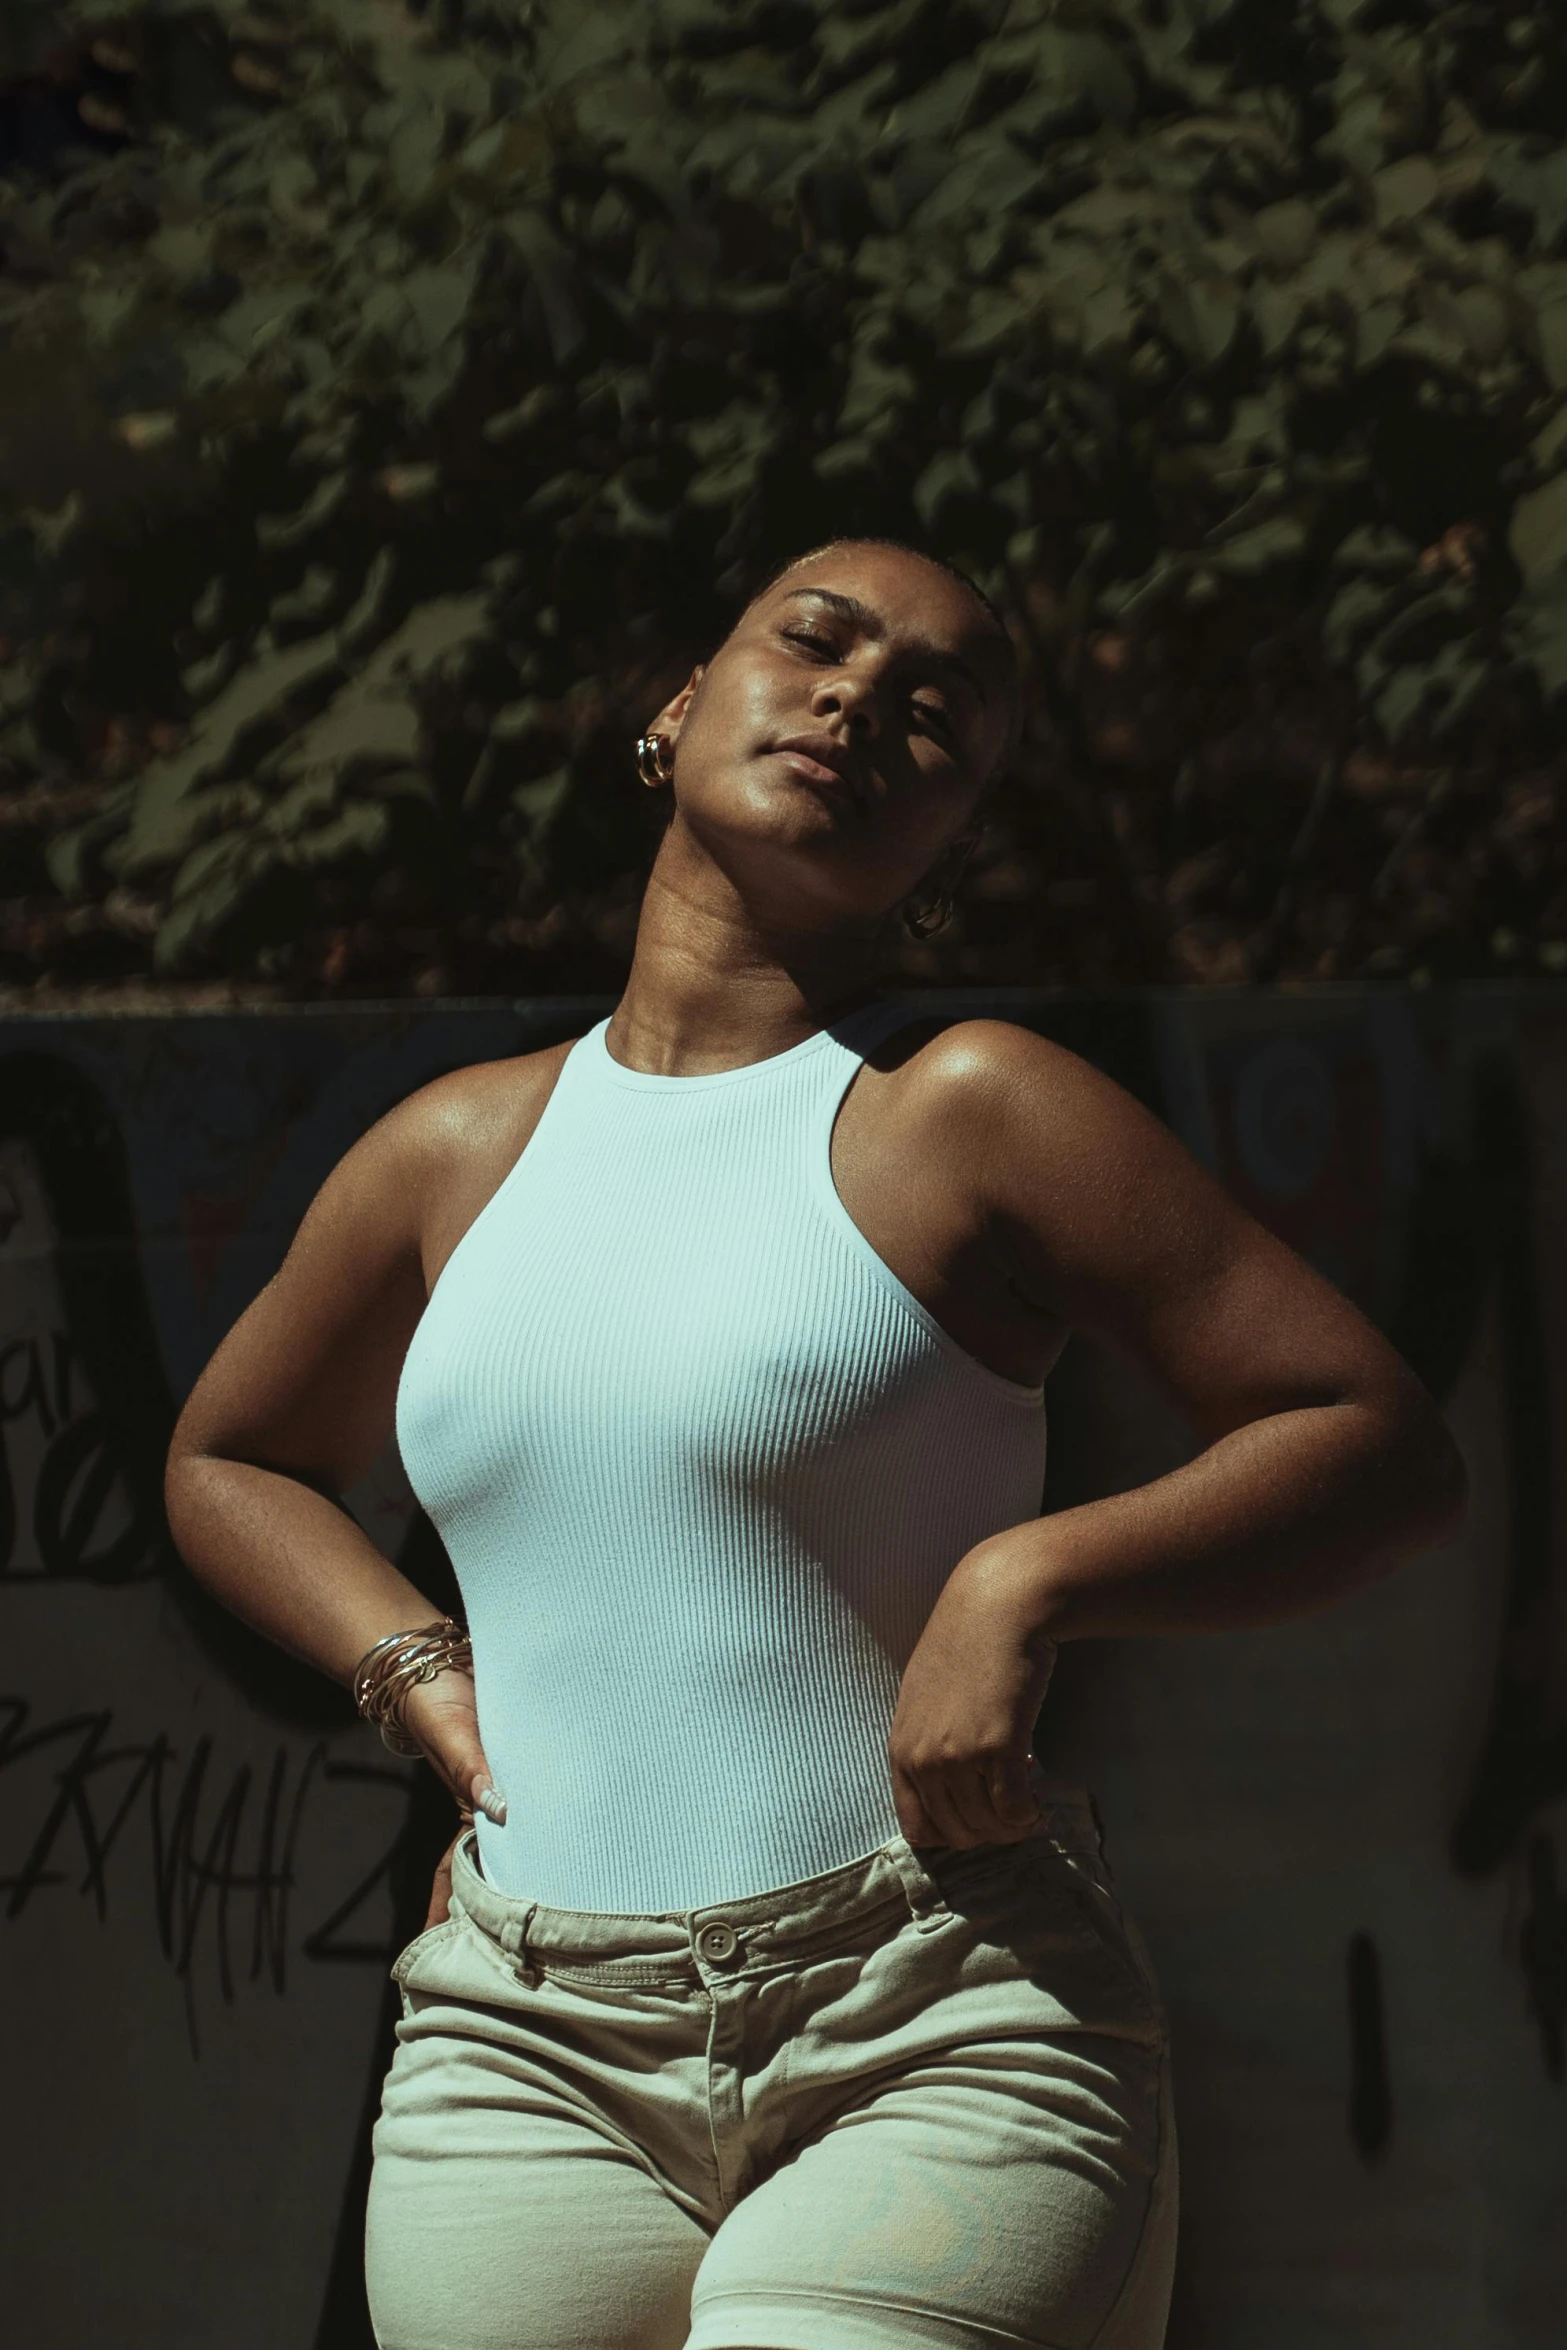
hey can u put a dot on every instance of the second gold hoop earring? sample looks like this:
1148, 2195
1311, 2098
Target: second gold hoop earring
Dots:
655, 762
923, 921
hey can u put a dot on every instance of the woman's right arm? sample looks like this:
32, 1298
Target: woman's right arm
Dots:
298, 1403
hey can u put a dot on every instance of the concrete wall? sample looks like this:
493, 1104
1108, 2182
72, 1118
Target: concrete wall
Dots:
1343, 1839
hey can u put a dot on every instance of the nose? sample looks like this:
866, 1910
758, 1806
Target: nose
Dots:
851, 698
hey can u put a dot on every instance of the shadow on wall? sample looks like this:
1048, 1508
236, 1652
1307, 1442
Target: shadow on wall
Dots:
105, 1807
1332, 1833
1414, 1153
94, 1383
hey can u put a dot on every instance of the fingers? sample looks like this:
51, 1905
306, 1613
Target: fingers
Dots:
469, 1781
487, 1796
467, 1775
949, 1796
965, 1803
467, 1778
441, 1716
1012, 1799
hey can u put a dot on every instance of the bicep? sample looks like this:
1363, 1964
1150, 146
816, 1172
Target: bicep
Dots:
306, 1381
1122, 1234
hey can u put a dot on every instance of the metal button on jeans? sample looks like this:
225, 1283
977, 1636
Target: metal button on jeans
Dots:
718, 1940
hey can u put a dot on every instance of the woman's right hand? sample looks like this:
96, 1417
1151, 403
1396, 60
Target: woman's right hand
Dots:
443, 1715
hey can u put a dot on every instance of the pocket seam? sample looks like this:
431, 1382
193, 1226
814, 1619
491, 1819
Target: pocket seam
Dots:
403, 1962
1116, 1944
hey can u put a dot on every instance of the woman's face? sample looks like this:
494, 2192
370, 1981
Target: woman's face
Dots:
840, 737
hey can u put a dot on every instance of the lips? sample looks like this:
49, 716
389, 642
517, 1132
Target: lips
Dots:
820, 758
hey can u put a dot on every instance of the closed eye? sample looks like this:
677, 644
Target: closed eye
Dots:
931, 711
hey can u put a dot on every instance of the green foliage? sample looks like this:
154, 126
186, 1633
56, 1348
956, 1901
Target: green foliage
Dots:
389, 421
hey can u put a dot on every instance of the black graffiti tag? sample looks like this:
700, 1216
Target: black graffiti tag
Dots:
78, 1491
223, 1843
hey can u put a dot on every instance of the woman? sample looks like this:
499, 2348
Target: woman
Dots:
779, 2001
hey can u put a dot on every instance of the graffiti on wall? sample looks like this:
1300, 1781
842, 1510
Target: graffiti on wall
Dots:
1293, 1813
85, 1417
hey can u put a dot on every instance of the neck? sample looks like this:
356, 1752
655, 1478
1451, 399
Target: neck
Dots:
710, 989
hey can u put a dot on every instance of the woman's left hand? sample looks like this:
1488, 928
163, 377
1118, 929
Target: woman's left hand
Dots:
970, 1695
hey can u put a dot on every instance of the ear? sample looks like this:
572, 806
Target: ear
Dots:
672, 716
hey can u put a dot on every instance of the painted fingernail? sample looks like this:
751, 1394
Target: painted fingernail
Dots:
493, 1805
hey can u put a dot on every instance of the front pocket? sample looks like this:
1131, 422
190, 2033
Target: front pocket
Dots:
408, 1957
1035, 1914
1080, 1878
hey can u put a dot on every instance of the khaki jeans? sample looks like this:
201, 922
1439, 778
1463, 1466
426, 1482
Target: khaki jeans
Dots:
920, 2099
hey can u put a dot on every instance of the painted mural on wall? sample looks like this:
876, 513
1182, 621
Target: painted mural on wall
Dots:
1346, 1839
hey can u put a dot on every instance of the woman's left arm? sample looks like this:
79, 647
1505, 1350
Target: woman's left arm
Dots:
1324, 1461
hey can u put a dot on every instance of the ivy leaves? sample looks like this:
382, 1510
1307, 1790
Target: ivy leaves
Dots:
1159, 325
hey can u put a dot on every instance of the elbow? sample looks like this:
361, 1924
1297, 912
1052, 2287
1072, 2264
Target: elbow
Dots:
187, 1477
177, 1492
183, 1441
176, 1466
1436, 1484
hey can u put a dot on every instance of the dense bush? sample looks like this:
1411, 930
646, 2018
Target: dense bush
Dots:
393, 401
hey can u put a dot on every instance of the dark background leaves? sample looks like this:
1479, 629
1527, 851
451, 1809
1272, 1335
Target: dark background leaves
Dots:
394, 401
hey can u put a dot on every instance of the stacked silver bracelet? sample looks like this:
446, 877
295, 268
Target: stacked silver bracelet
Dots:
385, 1674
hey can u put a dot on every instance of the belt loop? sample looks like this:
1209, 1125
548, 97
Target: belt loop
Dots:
514, 1941
927, 1903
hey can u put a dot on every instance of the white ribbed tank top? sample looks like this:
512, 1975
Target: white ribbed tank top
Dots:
702, 1465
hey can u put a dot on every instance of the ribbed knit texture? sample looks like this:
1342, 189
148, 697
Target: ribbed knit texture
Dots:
702, 1464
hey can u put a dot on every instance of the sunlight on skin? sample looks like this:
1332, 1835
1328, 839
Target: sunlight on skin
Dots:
771, 890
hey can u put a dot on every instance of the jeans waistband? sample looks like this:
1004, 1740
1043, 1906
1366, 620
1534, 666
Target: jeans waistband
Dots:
723, 1935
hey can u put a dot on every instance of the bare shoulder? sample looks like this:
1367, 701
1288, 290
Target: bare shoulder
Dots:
488, 1106
455, 1140
1076, 1176
1114, 1228
309, 1372
412, 1185
1004, 1050
1019, 1089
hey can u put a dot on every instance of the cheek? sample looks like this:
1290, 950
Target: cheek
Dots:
731, 707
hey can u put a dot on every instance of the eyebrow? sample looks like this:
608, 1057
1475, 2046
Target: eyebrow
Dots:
851, 608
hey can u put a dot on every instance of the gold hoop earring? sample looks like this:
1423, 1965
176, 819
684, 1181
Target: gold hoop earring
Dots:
923, 921
655, 761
